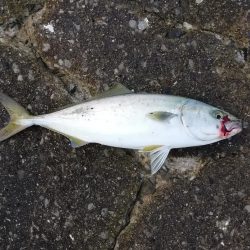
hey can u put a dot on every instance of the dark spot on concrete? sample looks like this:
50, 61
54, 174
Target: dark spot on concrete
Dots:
175, 33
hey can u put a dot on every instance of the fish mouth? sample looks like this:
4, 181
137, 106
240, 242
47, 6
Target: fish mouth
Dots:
232, 127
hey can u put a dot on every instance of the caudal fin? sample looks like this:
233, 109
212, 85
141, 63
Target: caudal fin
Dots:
17, 113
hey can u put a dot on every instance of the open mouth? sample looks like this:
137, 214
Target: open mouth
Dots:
228, 127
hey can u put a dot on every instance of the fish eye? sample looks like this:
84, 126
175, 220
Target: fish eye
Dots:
217, 114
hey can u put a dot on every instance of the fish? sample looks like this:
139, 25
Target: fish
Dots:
150, 123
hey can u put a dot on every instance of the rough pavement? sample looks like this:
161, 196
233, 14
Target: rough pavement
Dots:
54, 53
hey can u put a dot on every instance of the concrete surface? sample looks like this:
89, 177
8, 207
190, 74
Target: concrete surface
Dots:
54, 53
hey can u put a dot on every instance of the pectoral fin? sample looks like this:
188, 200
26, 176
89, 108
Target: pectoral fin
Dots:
158, 157
161, 116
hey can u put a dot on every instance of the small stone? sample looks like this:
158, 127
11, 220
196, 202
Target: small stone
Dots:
132, 24
49, 27
41, 197
60, 61
46, 47
71, 237
143, 24
67, 63
20, 174
104, 235
91, 206
46, 202
98, 72
188, 26
223, 224
144, 64
121, 66
77, 26
239, 57
247, 207
104, 212
20, 78
191, 64
199, 1
71, 41
69, 221
163, 47
15, 68
31, 75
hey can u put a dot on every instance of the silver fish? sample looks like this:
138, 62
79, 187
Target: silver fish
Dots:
120, 118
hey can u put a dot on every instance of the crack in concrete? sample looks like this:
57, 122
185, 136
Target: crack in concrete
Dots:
128, 215
24, 42
18, 43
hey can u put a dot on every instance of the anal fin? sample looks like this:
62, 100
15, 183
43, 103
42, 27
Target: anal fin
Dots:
76, 143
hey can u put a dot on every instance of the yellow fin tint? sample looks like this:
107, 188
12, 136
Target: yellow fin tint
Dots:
75, 142
17, 113
10, 130
151, 148
15, 110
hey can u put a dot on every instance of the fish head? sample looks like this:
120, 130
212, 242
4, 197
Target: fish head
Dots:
208, 123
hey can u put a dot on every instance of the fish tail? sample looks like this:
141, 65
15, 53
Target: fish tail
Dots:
19, 117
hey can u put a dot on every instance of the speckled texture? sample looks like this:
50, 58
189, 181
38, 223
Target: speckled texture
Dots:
96, 197
51, 195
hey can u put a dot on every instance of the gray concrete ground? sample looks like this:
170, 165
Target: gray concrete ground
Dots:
53, 53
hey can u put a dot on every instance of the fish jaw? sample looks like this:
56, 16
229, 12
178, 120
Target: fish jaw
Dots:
229, 128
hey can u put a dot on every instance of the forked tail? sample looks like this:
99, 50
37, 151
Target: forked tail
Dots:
17, 114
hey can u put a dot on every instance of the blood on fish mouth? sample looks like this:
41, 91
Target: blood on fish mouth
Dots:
228, 126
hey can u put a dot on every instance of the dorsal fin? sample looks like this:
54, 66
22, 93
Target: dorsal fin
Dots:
117, 89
